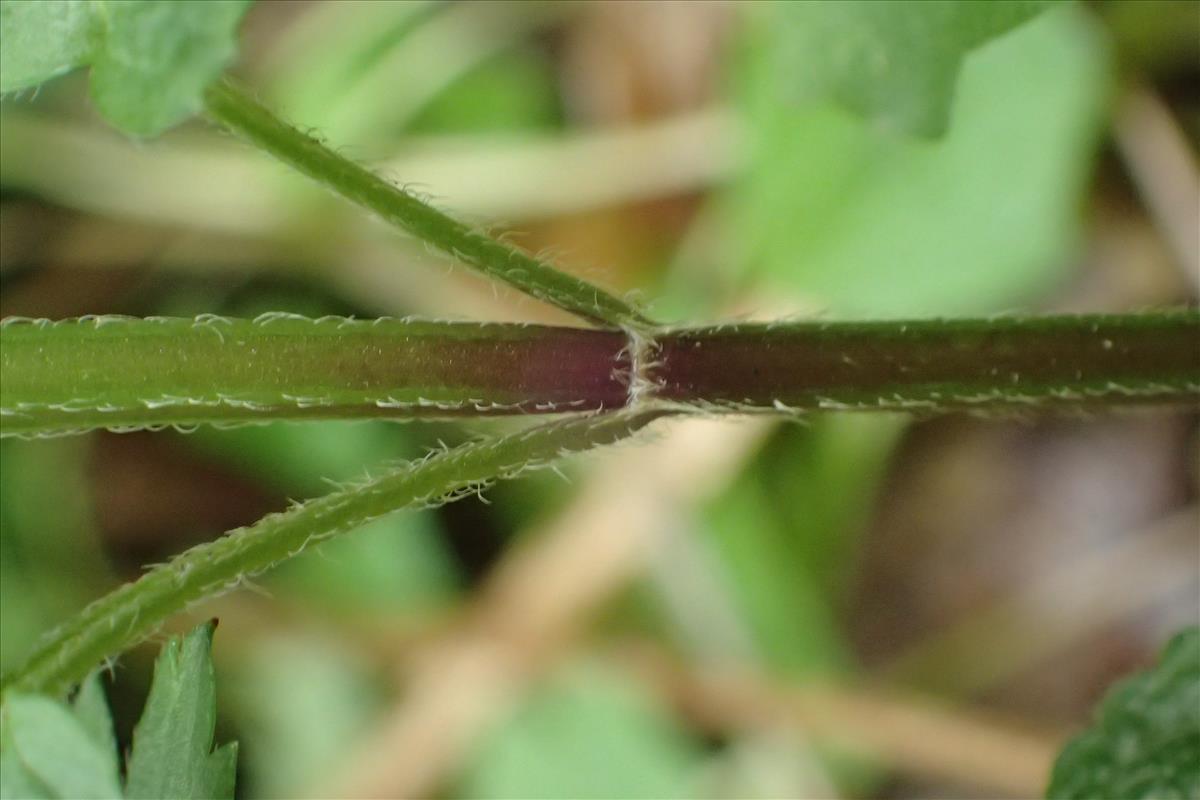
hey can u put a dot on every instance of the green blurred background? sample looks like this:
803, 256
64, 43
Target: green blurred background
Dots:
856, 606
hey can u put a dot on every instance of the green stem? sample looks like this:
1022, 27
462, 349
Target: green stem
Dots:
135, 610
232, 107
120, 372
123, 373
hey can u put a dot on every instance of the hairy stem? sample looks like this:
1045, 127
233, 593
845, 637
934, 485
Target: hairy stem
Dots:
135, 610
234, 108
123, 373
119, 372
935, 365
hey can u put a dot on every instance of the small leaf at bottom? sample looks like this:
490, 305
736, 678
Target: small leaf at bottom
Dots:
46, 752
172, 754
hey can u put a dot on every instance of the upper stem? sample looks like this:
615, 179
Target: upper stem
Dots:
235, 109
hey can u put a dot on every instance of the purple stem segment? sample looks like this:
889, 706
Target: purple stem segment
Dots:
935, 364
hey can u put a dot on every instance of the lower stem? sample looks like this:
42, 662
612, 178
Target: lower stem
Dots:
134, 611
125, 373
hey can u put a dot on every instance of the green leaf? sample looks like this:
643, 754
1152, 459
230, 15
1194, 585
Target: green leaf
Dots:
151, 59
50, 559
91, 709
588, 732
896, 62
157, 58
1146, 740
40, 39
514, 91
172, 744
305, 701
862, 223
47, 752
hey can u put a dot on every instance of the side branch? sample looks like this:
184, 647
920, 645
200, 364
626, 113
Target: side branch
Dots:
134, 611
234, 108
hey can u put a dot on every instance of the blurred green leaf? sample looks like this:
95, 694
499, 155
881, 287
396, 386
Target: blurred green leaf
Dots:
50, 559
151, 59
303, 703
47, 752
588, 732
897, 62
91, 709
40, 39
775, 592
820, 480
1146, 740
324, 53
157, 58
868, 224
513, 91
172, 753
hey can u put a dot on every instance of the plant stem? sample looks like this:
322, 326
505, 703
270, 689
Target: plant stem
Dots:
122, 373
135, 610
115, 371
935, 365
232, 107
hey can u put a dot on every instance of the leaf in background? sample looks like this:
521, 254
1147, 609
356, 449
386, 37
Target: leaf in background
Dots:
821, 480
513, 91
172, 753
867, 224
328, 48
305, 702
47, 752
1146, 740
151, 59
786, 536
590, 732
40, 39
50, 559
778, 598
895, 63
91, 709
